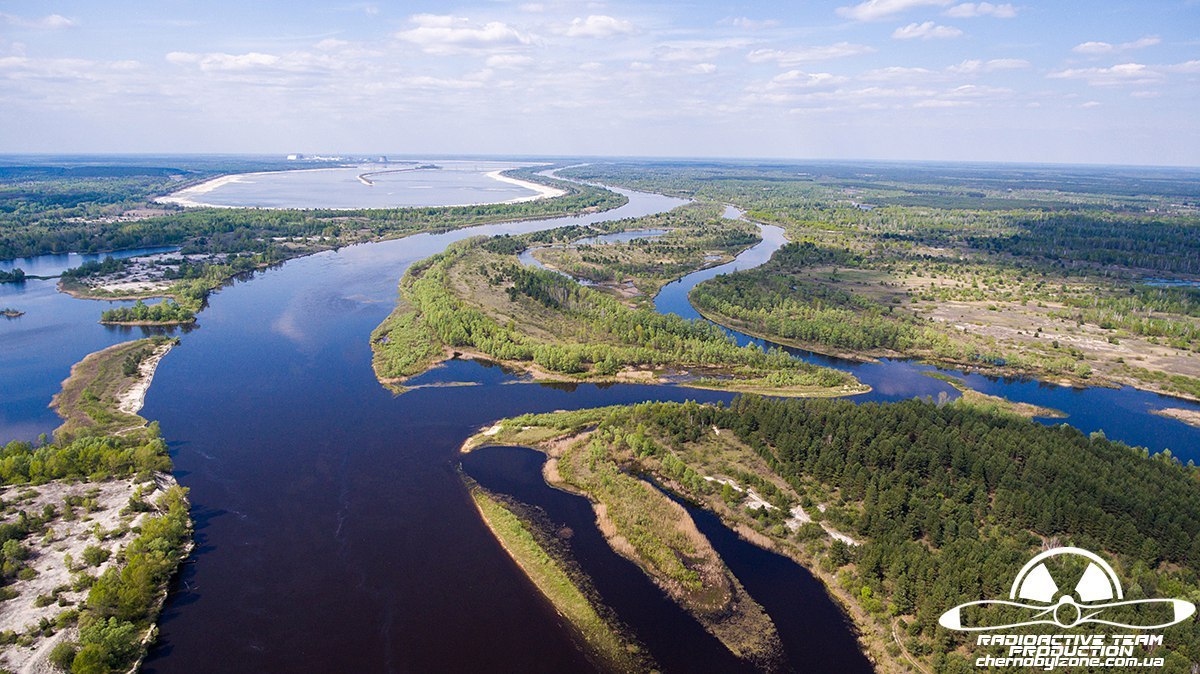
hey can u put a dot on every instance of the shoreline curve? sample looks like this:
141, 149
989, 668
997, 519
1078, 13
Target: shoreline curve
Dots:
192, 196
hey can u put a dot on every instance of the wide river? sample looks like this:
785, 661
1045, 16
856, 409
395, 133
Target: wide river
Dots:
333, 530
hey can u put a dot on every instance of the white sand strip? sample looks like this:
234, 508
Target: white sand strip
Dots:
131, 400
543, 191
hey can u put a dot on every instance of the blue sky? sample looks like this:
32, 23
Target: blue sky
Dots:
1061, 81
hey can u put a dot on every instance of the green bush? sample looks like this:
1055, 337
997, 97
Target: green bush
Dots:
63, 655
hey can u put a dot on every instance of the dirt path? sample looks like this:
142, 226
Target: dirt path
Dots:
907, 656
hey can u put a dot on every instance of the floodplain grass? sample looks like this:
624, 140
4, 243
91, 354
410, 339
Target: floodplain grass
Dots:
551, 579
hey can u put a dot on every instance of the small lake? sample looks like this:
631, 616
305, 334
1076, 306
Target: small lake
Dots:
620, 237
454, 183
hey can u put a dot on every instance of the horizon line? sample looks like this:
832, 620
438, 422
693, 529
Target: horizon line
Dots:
640, 158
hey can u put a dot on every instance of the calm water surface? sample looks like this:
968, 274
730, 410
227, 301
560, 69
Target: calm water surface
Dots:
56, 332
817, 636
454, 183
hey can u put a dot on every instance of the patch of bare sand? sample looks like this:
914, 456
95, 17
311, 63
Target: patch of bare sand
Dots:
66, 535
130, 400
1189, 417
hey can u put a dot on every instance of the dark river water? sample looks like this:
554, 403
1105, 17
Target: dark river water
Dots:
333, 531
817, 636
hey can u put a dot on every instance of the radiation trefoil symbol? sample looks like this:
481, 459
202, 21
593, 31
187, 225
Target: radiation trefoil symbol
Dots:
1099, 593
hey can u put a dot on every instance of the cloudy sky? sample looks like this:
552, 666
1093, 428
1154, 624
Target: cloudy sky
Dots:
1042, 80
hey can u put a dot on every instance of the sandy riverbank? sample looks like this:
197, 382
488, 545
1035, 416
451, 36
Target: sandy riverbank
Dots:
100, 398
543, 191
1189, 417
130, 400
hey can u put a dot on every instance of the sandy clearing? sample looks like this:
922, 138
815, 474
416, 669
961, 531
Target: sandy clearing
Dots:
800, 517
48, 555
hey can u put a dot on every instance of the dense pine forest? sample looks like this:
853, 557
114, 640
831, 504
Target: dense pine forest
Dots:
946, 501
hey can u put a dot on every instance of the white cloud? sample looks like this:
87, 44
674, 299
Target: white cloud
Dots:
1090, 104
793, 57
973, 66
752, 24
698, 50
925, 31
1127, 73
968, 68
532, 7
879, 9
703, 68
447, 34
1187, 67
977, 91
1095, 48
969, 10
48, 22
599, 26
1122, 74
899, 73
427, 82
219, 61
801, 79
1149, 41
508, 61
944, 103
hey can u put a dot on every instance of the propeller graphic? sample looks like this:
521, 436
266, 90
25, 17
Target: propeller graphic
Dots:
1096, 589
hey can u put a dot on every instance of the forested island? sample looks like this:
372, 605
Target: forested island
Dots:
1063, 276
477, 299
93, 526
902, 509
